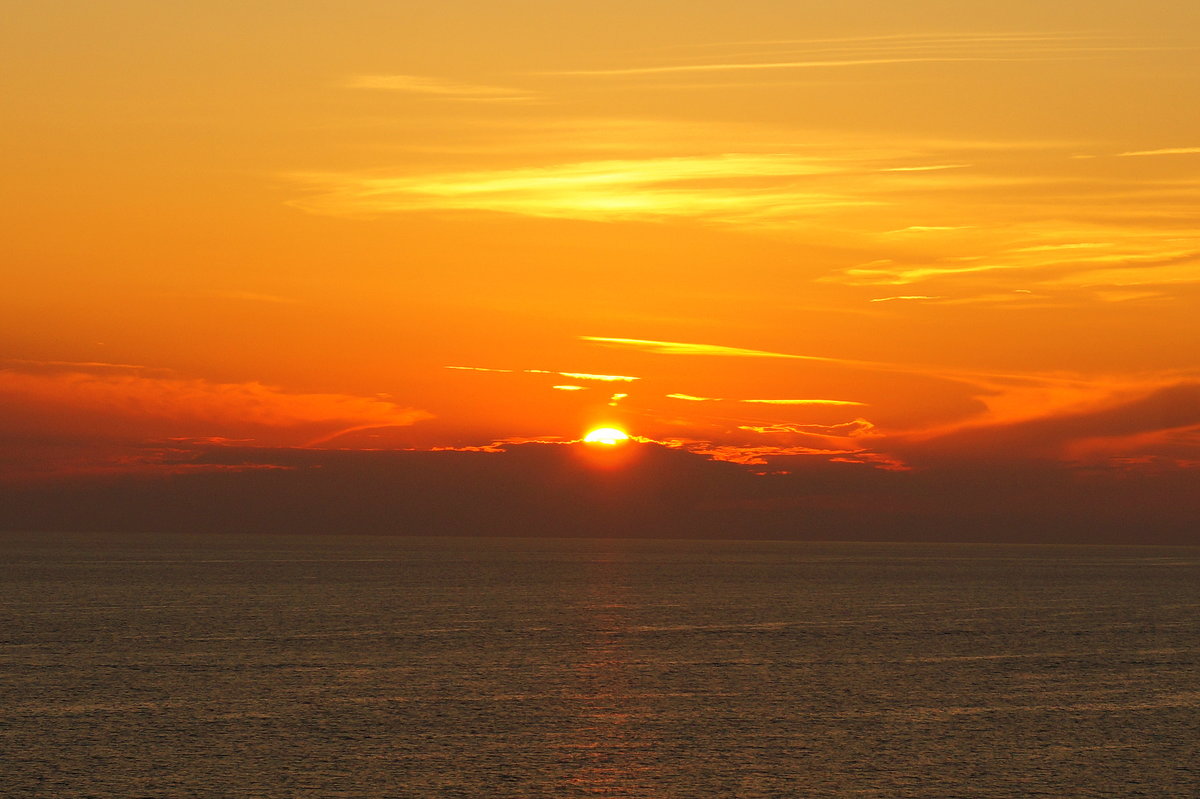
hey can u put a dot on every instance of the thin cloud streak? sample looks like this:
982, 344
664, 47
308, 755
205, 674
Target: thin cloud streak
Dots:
1167, 151
801, 402
602, 378
906, 297
694, 398
932, 168
683, 348
576, 375
893, 49
856, 62
1139, 259
927, 38
444, 89
929, 228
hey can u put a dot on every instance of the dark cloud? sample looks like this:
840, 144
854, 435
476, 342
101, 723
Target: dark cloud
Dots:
643, 490
59, 416
1168, 408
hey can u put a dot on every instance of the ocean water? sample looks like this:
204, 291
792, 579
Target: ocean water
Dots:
277, 666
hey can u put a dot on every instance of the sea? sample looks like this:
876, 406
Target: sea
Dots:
340, 666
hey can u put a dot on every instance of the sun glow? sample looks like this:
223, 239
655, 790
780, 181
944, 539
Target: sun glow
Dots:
606, 435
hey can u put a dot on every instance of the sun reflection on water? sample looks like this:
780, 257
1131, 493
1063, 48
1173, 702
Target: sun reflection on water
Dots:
610, 747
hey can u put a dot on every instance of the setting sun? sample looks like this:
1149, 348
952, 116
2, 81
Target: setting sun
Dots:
606, 435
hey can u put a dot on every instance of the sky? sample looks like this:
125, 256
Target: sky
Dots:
855, 270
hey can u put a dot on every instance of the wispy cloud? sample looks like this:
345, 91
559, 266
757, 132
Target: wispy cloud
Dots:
903, 274
853, 428
1085, 245
143, 393
971, 39
715, 350
762, 455
575, 375
1131, 256
929, 228
54, 367
1119, 418
684, 348
736, 66
990, 397
98, 406
601, 378
906, 297
1166, 151
931, 168
801, 402
437, 87
728, 187
755, 178
868, 51
694, 398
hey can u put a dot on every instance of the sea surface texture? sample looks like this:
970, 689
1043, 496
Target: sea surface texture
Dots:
218, 666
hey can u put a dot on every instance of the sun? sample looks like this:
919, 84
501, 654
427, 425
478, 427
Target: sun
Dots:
606, 435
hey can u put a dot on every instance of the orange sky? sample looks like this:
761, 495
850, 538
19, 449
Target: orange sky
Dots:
864, 232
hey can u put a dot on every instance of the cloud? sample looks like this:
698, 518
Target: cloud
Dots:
1131, 257
602, 378
437, 87
1055, 432
1082, 245
754, 178
853, 428
576, 375
933, 168
731, 187
682, 348
932, 39
694, 398
929, 228
96, 407
767, 455
802, 402
563, 490
479, 369
1166, 151
905, 297
993, 395
21, 365
860, 51
735, 66
1124, 271
875, 274
1154, 430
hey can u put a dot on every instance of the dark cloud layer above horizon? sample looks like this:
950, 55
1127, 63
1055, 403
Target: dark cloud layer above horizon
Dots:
653, 491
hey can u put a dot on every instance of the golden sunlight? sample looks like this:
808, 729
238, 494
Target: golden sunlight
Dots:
606, 435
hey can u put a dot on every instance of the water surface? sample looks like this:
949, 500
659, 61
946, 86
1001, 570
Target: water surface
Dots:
337, 666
